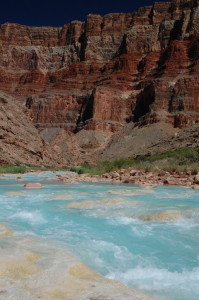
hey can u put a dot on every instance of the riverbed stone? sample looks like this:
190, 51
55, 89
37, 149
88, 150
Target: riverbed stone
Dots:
33, 185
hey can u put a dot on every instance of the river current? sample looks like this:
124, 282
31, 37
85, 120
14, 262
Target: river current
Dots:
146, 238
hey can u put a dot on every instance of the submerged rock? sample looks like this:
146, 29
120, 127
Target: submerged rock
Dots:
195, 186
20, 178
33, 185
87, 204
63, 197
31, 269
5, 231
131, 193
18, 269
163, 216
15, 194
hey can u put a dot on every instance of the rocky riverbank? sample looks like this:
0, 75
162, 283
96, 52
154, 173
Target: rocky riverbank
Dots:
137, 177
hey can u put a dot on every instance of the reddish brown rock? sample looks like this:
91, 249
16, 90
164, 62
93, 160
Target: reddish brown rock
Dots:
196, 179
20, 178
76, 58
21, 142
99, 75
33, 185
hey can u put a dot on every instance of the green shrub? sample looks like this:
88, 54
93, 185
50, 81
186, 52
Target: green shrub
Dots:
81, 171
13, 170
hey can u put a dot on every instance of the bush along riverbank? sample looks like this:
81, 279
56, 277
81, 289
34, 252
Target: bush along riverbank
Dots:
22, 169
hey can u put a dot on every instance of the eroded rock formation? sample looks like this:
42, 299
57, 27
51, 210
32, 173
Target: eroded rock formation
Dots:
103, 73
19, 139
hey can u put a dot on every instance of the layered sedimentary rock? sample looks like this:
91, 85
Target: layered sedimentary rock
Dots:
103, 73
21, 142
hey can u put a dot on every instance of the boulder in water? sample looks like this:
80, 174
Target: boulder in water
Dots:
20, 178
33, 185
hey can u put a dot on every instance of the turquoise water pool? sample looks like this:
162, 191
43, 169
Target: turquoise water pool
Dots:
146, 238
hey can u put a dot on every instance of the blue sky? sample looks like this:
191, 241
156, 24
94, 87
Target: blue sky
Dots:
60, 12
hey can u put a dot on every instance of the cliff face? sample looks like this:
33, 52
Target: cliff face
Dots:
19, 139
107, 71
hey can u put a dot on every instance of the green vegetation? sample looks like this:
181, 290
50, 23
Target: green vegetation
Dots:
180, 160
13, 170
21, 168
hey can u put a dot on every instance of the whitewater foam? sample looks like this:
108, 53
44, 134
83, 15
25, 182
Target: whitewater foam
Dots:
154, 279
34, 217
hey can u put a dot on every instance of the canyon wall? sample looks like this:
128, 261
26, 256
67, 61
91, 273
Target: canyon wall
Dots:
19, 139
101, 74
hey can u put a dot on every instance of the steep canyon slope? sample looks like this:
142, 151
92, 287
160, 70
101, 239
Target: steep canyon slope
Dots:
89, 87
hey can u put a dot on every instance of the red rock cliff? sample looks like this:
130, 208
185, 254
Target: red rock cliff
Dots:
107, 71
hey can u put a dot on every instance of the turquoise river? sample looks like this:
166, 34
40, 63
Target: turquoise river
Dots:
146, 238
